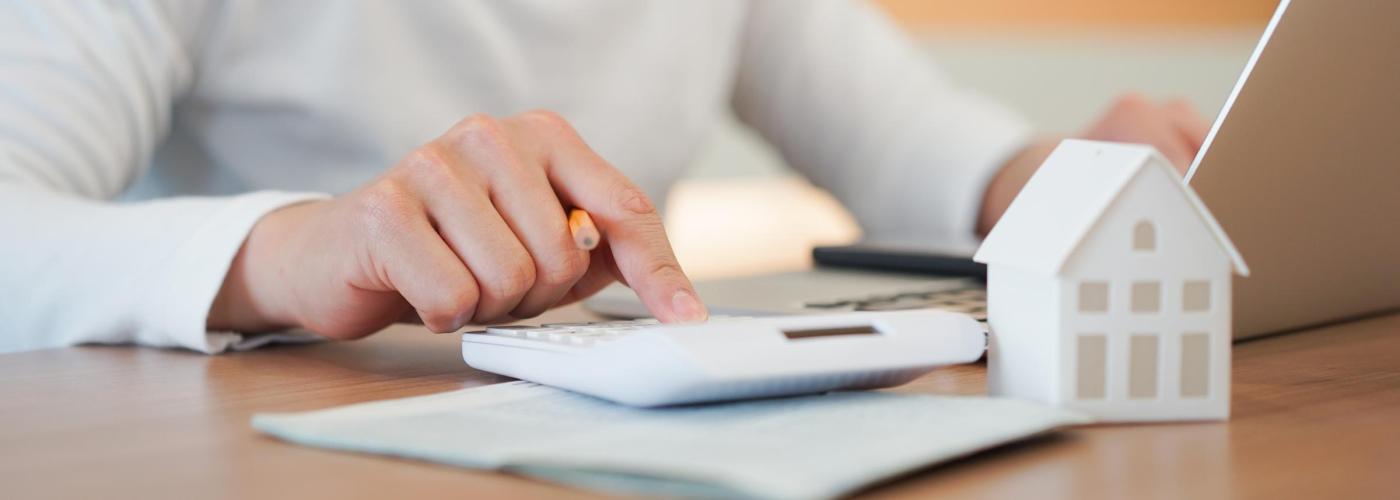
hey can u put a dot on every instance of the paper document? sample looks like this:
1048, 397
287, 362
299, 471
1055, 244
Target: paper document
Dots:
804, 447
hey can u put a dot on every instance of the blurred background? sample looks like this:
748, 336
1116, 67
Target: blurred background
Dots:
1058, 62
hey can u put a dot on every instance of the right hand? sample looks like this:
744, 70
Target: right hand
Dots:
469, 228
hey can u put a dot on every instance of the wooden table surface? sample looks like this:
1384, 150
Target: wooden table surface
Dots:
1316, 414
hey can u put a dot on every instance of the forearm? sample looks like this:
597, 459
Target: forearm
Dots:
1008, 180
1173, 128
909, 152
83, 271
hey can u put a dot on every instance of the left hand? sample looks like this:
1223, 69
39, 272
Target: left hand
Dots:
1173, 127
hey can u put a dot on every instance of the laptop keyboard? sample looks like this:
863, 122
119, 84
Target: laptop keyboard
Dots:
970, 301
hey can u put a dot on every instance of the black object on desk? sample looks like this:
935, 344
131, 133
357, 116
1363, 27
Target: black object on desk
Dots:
875, 258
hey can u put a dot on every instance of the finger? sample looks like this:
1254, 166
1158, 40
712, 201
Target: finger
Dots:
521, 192
420, 267
1190, 124
474, 230
1157, 124
410, 316
1173, 146
1175, 149
625, 216
602, 271
462, 213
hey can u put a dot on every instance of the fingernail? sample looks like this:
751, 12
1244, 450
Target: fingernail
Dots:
687, 308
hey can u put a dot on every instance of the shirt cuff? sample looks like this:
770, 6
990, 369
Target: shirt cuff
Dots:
197, 270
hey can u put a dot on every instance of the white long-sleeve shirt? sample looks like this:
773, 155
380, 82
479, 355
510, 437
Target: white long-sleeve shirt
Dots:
141, 140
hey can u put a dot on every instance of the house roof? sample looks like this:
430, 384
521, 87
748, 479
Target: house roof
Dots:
1065, 198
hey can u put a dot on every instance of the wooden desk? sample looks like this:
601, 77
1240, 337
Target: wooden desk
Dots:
1316, 414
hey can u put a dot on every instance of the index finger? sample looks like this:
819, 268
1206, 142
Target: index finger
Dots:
626, 218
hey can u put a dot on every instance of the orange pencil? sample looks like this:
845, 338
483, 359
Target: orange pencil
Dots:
586, 234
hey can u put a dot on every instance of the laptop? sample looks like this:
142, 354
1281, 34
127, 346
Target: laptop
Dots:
1301, 169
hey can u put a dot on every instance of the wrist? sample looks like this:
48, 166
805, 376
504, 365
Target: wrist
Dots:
255, 295
1009, 180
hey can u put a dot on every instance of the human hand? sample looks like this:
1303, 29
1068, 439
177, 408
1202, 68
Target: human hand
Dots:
1174, 128
468, 228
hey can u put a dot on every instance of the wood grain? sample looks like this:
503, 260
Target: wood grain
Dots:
1315, 414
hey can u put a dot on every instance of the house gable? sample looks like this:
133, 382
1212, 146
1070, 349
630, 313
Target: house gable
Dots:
1064, 200
1179, 245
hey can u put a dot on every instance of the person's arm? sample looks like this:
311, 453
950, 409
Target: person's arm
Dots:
851, 103
469, 227
849, 100
85, 94
1173, 127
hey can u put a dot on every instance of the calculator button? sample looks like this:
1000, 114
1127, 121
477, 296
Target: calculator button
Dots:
593, 335
593, 329
509, 330
557, 337
575, 324
580, 340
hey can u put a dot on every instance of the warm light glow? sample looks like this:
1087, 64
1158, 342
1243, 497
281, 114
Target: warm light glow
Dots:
1079, 13
739, 226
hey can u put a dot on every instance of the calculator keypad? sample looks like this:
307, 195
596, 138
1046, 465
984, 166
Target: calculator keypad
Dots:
578, 334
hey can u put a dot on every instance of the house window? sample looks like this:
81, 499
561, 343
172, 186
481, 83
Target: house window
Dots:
1092, 361
1195, 365
1195, 296
1147, 297
1093, 296
1142, 366
1144, 237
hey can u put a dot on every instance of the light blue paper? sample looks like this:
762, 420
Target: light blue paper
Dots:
805, 447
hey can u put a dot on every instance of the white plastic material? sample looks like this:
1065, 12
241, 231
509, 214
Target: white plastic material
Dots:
1106, 253
739, 359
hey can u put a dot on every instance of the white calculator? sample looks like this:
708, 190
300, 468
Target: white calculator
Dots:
643, 363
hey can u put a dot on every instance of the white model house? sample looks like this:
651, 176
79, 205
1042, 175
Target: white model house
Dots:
1108, 290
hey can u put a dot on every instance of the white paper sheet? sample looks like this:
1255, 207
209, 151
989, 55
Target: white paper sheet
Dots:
805, 447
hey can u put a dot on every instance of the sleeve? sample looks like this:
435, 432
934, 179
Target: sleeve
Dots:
86, 90
850, 102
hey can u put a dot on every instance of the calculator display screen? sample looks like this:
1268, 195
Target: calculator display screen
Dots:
831, 332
